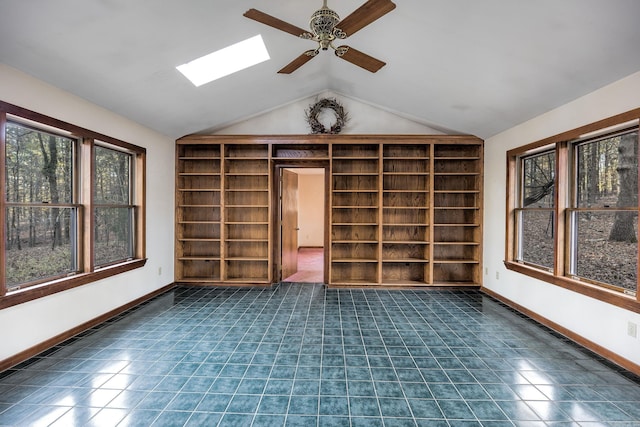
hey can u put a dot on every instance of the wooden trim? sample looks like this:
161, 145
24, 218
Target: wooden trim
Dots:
578, 339
39, 348
87, 163
575, 133
3, 239
140, 183
615, 298
53, 287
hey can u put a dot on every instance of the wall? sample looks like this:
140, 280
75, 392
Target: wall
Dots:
363, 119
596, 321
311, 210
36, 321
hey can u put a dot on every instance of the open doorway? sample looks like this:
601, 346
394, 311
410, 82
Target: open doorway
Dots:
302, 217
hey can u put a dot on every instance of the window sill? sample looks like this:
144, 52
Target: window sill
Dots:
616, 298
49, 288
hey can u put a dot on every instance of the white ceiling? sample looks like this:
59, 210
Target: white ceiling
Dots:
476, 67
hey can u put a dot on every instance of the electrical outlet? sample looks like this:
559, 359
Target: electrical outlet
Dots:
632, 329
497, 275
159, 271
486, 271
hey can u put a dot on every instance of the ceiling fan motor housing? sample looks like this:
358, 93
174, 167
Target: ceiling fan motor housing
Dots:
322, 24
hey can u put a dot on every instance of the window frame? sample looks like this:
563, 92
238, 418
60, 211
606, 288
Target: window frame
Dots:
563, 144
82, 183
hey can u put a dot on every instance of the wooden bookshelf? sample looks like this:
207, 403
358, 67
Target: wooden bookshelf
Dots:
402, 210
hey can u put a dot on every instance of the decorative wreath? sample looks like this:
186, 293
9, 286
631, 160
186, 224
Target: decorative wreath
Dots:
312, 116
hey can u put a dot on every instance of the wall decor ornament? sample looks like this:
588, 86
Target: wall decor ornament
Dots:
326, 103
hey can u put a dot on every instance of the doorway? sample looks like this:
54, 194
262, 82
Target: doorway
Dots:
302, 225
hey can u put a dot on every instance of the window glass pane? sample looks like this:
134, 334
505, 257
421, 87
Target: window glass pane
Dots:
40, 243
38, 166
111, 176
537, 237
599, 257
607, 172
538, 173
113, 235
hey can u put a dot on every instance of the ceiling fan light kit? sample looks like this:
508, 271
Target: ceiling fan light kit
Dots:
326, 26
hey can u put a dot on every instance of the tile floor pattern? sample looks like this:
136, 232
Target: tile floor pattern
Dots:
304, 355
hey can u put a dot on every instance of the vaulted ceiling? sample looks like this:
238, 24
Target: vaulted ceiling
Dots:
467, 66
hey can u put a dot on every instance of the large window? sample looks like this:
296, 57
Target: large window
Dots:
573, 203
72, 208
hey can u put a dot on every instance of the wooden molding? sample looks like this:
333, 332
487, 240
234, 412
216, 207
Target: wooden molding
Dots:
39, 348
578, 339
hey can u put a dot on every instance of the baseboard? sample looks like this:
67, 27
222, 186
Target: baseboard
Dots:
53, 341
578, 339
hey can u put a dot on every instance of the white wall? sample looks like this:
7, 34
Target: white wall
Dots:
34, 322
363, 119
599, 322
311, 210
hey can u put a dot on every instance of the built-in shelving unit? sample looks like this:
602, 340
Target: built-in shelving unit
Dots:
402, 210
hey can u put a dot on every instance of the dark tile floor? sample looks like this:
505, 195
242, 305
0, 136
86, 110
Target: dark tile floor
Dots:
310, 356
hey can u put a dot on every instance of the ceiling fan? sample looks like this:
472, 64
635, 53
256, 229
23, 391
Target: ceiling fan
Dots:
326, 27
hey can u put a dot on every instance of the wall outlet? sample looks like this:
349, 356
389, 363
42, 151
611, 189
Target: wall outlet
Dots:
486, 271
159, 271
497, 275
632, 329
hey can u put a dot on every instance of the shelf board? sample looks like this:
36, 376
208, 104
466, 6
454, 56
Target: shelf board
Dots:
405, 242
354, 174
199, 174
247, 222
246, 258
456, 191
246, 190
356, 158
194, 239
404, 283
246, 206
265, 157
354, 282
470, 208
198, 206
199, 280
455, 261
199, 190
405, 158
199, 258
246, 280
354, 223
355, 241
356, 191
248, 240
399, 224
199, 222
199, 158
355, 260
405, 191
455, 158
474, 224
246, 173
406, 173
406, 260
354, 207
456, 243
424, 208
456, 173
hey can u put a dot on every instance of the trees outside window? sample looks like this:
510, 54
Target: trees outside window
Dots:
573, 210
40, 210
72, 207
604, 219
535, 216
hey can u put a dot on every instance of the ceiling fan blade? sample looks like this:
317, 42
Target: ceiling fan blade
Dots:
365, 15
298, 62
360, 59
274, 22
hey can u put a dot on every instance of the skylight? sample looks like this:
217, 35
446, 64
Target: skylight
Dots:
225, 61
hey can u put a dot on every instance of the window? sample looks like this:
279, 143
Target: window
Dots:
573, 210
536, 214
113, 211
72, 208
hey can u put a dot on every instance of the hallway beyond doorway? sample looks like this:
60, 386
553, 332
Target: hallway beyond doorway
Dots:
310, 263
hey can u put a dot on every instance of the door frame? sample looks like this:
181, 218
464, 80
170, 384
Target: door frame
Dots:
276, 216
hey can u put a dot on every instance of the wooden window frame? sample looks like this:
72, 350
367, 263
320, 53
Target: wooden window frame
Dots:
87, 273
561, 143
